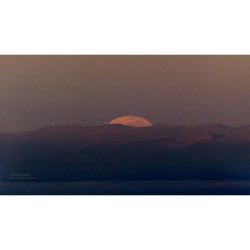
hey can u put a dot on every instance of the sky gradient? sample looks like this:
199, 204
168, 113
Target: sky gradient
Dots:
86, 90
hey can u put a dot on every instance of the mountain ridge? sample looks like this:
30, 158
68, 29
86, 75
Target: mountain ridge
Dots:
118, 152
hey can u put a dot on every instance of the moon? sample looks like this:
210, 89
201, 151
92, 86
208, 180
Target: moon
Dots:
132, 121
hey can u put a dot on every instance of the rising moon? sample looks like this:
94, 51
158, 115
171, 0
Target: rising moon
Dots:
132, 121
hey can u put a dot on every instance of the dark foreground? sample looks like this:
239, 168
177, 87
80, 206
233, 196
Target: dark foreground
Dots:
127, 188
123, 153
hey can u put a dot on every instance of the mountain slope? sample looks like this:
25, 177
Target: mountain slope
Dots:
117, 152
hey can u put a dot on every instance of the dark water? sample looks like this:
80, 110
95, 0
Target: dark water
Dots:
127, 188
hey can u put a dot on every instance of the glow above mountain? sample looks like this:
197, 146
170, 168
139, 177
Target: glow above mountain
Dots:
132, 121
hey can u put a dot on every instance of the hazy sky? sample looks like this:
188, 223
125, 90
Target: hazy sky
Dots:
177, 90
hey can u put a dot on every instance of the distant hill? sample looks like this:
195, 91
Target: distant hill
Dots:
118, 152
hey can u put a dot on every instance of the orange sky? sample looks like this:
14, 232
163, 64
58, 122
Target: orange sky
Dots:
186, 90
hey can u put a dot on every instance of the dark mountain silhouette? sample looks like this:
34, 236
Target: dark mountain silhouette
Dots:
117, 152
